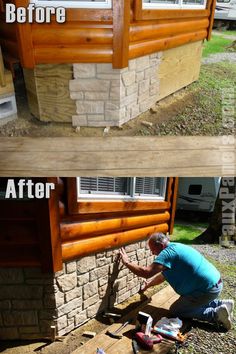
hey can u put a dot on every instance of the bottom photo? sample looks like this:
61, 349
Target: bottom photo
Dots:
117, 265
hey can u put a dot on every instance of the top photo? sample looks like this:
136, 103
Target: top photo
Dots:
94, 68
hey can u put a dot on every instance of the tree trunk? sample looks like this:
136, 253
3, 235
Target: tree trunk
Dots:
222, 222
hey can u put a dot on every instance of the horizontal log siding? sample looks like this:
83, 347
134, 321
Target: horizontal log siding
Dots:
87, 35
73, 42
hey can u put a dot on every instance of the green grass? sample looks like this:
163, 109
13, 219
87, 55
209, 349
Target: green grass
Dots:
217, 44
186, 233
230, 33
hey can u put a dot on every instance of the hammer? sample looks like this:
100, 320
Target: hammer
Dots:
116, 333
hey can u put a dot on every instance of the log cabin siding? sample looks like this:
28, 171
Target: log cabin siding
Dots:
107, 36
43, 233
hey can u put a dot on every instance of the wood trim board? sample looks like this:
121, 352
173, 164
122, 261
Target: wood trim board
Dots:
132, 156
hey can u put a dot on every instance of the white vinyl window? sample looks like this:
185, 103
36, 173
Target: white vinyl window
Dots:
174, 4
128, 188
88, 4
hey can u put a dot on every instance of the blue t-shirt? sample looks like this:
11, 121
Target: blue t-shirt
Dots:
187, 270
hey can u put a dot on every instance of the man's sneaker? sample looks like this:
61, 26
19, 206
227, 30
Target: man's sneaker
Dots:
230, 306
223, 317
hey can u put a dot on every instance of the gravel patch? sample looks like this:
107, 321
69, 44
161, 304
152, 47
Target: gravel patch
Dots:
218, 57
220, 254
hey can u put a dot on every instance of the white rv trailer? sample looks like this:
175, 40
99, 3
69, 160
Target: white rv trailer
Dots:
198, 194
225, 12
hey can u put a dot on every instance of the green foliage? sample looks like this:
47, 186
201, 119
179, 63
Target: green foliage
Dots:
217, 44
187, 233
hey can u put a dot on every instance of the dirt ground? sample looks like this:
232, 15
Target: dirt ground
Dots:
194, 110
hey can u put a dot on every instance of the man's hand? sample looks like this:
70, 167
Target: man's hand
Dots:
144, 286
123, 255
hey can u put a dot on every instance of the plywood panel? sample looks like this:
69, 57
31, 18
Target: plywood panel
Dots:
133, 156
179, 67
48, 92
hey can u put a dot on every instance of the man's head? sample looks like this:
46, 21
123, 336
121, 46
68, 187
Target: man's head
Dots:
157, 242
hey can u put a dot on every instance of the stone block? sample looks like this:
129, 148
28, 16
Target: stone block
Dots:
90, 289
59, 298
101, 124
106, 68
123, 297
153, 90
8, 106
17, 318
112, 105
83, 279
67, 282
81, 318
142, 63
115, 93
77, 96
74, 312
90, 85
134, 112
61, 323
150, 72
70, 306
129, 78
103, 281
84, 70
96, 96
132, 247
90, 301
72, 294
90, 107
11, 276
27, 304
93, 310
108, 77
140, 254
139, 76
129, 99
112, 115
79, 121
143, 87
132, 64
9, 333
103, 261
71, 267
21, 292
131, 89
96, 117
99, 273
102, 291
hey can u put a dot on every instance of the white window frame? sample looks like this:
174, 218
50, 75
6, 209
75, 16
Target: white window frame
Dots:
74, 4
128, 197
154, 6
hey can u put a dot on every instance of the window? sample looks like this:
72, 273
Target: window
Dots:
195, 189
121, 187
178, 4
93, 4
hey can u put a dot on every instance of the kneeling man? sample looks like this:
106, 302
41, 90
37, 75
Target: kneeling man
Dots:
191, 275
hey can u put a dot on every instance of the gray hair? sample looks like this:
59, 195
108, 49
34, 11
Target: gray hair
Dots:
158, 238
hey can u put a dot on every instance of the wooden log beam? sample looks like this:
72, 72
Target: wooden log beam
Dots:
73, 250
80, 54
121, 23
81, 230
71, 35
211, 5
146, 30
2, 71
24, 39
144, 48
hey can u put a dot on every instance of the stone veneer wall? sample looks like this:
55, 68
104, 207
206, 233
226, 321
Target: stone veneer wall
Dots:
30, 302
110, 97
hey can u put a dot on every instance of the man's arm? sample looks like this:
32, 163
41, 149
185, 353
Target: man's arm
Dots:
156, 280
143, 272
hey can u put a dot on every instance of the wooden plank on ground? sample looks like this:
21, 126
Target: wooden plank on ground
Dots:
157, 308
133, 156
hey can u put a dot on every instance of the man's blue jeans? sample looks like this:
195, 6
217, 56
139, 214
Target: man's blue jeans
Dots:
198, 305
